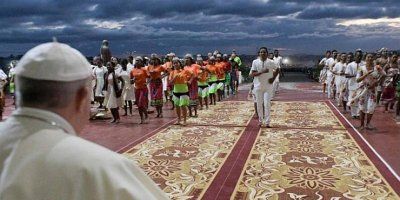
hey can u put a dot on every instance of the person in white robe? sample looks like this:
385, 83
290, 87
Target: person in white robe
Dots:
278, 62
128, 94
41, 153
351, 73
99, 73
340, 80
264, 72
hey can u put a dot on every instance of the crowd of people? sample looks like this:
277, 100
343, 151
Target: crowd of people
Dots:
189, 83
359, 82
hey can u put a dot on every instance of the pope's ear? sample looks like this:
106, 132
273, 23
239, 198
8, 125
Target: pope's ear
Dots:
82, 97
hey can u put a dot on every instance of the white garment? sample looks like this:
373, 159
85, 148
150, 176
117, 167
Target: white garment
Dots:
261, 81
330, 62
340, 80
99, 73
263, 97
110, 99
129, 67
127, 91
3, 76
278, 63
42, 158
351, 70
262, 88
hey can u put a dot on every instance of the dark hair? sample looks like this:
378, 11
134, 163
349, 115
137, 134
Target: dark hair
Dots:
327, 52
259, 50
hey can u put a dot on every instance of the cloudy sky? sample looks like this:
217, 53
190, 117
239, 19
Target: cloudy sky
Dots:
182, 26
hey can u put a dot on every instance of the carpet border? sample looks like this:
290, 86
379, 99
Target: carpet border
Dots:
380, 165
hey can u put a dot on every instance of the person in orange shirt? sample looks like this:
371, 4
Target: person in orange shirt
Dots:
212, 81
221, 77
166, 85
155, 70
140, 75
227, 70
202, 83
193, 87
180, 78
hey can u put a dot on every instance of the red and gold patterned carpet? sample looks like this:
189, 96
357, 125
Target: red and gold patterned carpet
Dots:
308, 154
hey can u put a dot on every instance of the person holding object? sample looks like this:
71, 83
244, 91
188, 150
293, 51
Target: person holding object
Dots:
41, 155
264, 72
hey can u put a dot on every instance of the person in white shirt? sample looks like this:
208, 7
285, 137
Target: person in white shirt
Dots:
351, 73
264, 72
41, 156
99, 72
369, 77
3, 82
324, 72
278, 62
340, 80
329, 75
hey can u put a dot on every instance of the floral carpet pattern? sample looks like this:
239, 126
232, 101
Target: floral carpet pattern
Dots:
309, 163
184, 160
303, 115
227, 113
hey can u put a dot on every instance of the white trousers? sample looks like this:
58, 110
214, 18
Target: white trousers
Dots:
354, 107
329, 87
276, 85
263, 97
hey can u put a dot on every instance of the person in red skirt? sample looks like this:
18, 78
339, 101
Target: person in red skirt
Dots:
155, 70
193, 85
139, 76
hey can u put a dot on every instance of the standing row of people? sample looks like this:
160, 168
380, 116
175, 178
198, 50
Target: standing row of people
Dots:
361, 82
189, 83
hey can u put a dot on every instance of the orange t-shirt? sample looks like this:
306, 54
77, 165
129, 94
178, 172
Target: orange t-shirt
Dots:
203, 75
140, 76
181, 76
220, 70
155, 71
212, 69
194, 68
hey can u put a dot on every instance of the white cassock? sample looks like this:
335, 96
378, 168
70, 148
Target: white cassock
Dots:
351, 70
42, 158
330, 62
99, 73
340, 80
262, 88
278, 63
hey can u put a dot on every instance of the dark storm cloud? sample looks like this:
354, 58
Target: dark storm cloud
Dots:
199, 26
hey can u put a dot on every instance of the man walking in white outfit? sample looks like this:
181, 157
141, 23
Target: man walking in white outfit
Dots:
351, 73
264, 72
278, 63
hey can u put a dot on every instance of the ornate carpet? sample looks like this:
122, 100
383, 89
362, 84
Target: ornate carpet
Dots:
184, 160
303, 115
311, 163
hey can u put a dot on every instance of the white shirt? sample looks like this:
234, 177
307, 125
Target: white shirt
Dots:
330, 62
3, 76
261, 81
352, 70
278, 61
41, 158
323, 61
338, 68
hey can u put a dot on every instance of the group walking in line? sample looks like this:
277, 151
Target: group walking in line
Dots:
360, 81
190, 83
